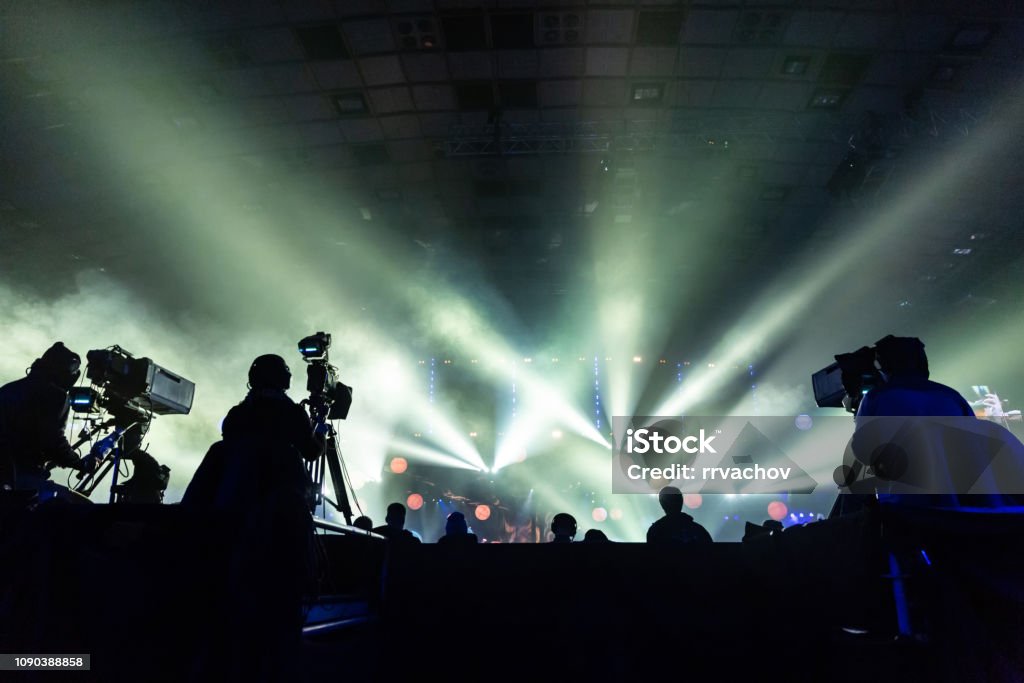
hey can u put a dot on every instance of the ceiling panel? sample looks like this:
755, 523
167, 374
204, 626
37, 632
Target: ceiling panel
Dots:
425, 67
709, 26
361, 130
653, 61
558, 62
518, 63
381, 70
471, 66
391, 100
701, 62
336, 74
607, 61
609, 26
402, 126
369, 36
812, 28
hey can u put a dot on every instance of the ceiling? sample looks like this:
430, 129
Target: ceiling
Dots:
496, 134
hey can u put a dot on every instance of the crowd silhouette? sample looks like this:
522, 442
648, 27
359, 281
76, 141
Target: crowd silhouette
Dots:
256, 482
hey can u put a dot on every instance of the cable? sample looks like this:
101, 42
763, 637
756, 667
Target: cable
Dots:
347, 480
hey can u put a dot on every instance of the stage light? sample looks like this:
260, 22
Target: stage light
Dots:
599, 514
424, 453
557, 434
693, 500
616, 514
777, 510
414, 501
482, 512
399, 465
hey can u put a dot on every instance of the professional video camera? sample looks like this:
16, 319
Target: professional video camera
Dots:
126, 394
844, 383
121, 382
328, 400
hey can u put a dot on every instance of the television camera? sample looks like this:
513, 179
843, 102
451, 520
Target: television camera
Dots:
125, 394
328, 400
844, 383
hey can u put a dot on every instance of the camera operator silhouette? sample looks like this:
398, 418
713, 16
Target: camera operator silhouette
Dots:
914, 458
906, 389
255, 480
33, 414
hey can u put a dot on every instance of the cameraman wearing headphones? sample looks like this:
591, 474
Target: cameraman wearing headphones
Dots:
268, 415
33, 414
907, 391
256, 482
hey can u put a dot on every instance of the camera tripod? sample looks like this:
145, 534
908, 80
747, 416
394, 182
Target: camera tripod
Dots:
331, 461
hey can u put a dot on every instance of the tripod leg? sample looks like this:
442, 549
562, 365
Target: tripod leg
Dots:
338, 480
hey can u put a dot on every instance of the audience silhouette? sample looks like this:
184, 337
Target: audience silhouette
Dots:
456, 531
563, 526
394, 526
676, 527
595, 536
363, 522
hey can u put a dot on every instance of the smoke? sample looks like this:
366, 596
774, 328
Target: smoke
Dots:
101, 312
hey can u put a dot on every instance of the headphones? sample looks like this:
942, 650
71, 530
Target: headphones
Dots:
63, 365
269, 372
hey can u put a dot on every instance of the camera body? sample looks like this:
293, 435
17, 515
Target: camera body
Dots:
121, 380
844, 383
328, 397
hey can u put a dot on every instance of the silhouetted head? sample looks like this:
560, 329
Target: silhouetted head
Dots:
902, 357
269, 372
456, 524
595, 536
671, 500
363, 522
563, 526
59, 365
396, 516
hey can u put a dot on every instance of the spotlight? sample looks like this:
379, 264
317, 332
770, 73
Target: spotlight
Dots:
777, 510
599, 514
414, 501
399, 465
482, 512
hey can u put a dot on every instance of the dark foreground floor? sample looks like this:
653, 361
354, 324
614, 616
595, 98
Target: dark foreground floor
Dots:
136, 588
